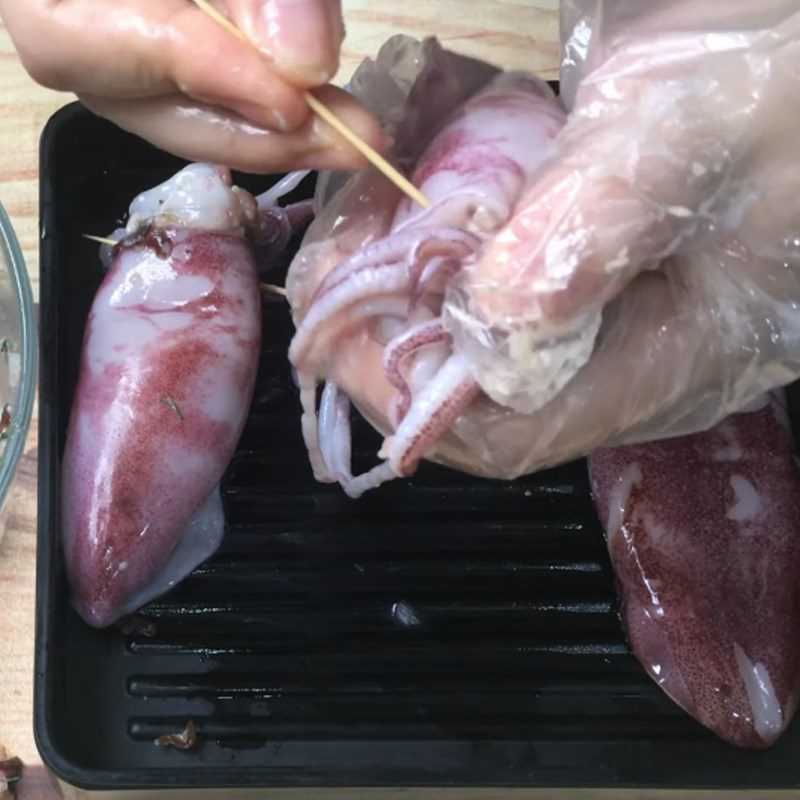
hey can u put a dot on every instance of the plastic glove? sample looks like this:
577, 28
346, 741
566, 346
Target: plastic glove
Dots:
165, 71
679, 156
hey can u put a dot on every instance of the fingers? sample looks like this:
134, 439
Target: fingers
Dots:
200, 132
209, 64
113, 53
329, 145
571, 247
301, 37
609, 206
146, 48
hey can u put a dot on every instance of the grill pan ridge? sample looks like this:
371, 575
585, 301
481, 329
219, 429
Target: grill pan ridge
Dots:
440, 632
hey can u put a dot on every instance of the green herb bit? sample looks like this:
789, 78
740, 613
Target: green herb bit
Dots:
5, 345
170, 403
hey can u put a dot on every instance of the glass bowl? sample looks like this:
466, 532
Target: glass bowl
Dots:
17, 359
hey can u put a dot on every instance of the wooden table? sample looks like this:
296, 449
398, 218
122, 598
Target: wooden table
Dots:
513, 33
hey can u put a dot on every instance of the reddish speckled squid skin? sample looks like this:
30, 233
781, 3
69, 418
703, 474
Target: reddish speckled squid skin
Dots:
168, 366
704, 536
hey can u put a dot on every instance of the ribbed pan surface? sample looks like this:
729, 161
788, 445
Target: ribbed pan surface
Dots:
440, 631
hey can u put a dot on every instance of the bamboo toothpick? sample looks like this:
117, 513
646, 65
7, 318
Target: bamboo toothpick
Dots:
271, 288
324, 113
100, 239
396, 177
212, 12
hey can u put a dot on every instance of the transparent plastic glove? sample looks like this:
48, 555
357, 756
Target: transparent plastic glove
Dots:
678, 350
411, 87
165, 71
678, 149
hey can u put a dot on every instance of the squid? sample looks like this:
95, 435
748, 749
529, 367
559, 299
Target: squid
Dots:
704, 536
167, 370
369, 318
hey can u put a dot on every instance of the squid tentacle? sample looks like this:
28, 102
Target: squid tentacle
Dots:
403, 347
284, 186
309, 424
431, 415
369, 274
334, 432
299, 214
307, 383
437, 271
414, 248
277, 225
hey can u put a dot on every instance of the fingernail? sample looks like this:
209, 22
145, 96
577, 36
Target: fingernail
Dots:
279, 122
303, 38
264, 116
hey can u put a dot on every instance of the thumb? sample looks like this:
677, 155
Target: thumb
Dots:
301, 37
601, 212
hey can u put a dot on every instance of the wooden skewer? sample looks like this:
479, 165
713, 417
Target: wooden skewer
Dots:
396, 177
212, 12
271, 288
324, 113
101, 239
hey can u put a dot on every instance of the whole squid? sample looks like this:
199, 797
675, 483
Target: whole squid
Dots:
367, 292
704, 536
167, 370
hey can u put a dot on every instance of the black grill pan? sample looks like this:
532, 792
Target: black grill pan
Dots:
440, 632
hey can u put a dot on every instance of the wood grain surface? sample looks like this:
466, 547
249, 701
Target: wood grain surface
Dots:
24, 108
512, 33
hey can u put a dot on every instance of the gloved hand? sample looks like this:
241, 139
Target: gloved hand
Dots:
649, 285
164, 70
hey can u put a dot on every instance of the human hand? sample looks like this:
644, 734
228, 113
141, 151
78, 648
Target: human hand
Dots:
165, 71
668, 214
